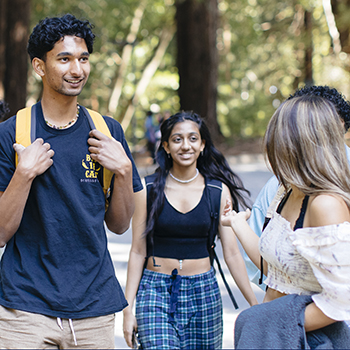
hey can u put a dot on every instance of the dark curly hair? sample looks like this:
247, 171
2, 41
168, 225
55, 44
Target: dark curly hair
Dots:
4, 110
211, 164
341, 104
51, 29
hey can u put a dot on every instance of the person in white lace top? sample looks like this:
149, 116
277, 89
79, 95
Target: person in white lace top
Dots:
305, 246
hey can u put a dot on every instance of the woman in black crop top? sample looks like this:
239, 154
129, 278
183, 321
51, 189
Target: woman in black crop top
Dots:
178, 302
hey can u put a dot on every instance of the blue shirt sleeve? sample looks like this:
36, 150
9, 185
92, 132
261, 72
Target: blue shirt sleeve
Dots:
7, 153
261, 204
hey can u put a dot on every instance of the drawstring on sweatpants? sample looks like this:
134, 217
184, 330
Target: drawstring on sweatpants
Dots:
72, 329
59, 322
174, 293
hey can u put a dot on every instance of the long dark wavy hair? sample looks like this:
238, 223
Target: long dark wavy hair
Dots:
211, 164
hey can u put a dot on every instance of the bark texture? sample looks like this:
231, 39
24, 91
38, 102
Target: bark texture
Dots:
197, 59
15, 15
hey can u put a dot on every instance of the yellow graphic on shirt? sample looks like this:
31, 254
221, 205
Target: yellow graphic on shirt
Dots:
90, 165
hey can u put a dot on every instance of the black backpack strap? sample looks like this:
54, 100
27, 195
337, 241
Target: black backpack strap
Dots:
88, 116
266, 221
214, 195
149, 183
214, 189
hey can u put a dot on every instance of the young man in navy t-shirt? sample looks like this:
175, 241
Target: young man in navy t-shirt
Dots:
57, 282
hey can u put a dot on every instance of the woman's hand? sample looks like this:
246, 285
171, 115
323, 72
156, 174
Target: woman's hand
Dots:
232, 218
129, 327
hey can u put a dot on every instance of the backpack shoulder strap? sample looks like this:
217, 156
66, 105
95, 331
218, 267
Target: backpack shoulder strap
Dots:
25, 127
149, 179
214, 193
96, 121
149, 182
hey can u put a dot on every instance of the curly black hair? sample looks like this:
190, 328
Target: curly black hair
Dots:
4, 110
341, 104
51, 29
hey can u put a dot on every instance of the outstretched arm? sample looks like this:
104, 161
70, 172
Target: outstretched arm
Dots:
233, 257
135, 265
112, 156
239, 225
32, 161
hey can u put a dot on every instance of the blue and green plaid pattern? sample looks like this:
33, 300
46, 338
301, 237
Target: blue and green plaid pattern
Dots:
197, 321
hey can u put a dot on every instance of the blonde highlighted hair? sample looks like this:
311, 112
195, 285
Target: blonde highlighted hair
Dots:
304, 144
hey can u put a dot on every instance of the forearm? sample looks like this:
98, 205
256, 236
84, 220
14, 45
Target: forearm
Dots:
12, 203
249, 241
122, 205
315, 318
235, 264
134, 274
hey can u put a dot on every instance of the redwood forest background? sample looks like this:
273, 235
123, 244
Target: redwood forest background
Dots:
231, 61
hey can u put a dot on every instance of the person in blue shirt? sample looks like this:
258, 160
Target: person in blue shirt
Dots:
58, 287
269, 191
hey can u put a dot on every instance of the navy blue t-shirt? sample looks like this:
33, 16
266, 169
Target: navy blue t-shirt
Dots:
57, 263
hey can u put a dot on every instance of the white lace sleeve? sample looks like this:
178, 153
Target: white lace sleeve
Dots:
327, 249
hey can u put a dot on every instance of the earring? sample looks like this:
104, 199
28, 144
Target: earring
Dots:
202, 152
168, 155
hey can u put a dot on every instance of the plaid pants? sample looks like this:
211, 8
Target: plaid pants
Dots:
179, 312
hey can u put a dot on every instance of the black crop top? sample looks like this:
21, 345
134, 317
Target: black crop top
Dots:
181, 236
300, 220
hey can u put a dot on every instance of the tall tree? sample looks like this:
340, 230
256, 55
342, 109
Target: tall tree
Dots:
308, 48
15, 16
3, 21
341, 10
197, 58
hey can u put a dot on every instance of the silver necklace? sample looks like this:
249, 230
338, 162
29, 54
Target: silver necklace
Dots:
184, 181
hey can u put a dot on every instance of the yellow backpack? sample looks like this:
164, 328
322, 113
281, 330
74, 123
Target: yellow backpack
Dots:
26, 126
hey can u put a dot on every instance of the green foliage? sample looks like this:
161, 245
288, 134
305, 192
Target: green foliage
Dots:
112, 20
261, 46
262, 59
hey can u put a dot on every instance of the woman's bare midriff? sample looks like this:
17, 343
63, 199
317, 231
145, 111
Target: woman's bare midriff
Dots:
186, 267
272, 294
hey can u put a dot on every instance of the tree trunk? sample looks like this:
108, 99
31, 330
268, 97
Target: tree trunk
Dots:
16, 57
340, 11
308, 48
197, 59
3, 22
